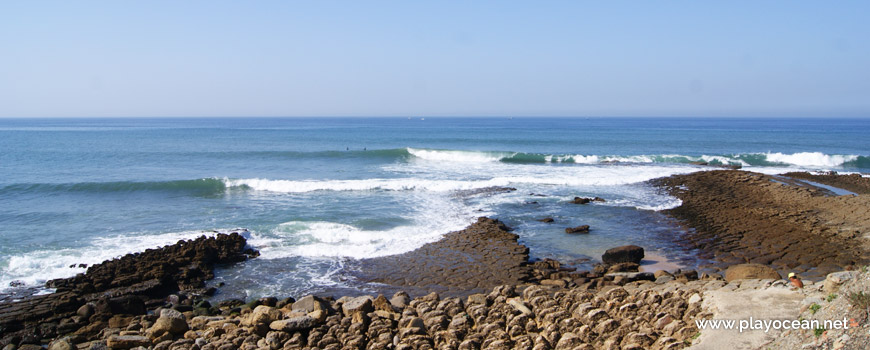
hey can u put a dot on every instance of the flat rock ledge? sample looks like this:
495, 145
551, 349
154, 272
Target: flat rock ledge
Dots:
741, 217
473, 260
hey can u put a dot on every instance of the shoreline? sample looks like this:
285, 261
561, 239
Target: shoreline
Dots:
480, 272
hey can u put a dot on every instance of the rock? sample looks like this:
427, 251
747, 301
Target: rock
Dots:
660, 273
61, 344
357, 305
171, 325
400, 300
127, 341
834, 280
309, 303
264, 315
381, 303
569, 341
86, 310
633, 276
626, 253
293, 324
554, 282
623, 267
750, 271
518, 304
546, 220
582, 200
187, 264
172, 314
578, 229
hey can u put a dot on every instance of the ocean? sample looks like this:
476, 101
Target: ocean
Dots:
312, 194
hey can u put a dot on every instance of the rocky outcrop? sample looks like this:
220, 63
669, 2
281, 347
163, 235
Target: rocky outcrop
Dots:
184, 265
741, 217
116, 290
463, 262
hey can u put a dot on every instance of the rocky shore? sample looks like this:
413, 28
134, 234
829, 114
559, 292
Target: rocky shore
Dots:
742, 217
477, 289
86, 304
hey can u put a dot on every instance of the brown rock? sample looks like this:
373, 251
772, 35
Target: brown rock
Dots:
627, 253
578, 229
750, 271
127, 341
581, 200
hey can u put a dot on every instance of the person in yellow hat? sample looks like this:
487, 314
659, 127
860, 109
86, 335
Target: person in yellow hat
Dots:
795, 280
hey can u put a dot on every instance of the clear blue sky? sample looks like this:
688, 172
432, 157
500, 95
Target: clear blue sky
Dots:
414, 58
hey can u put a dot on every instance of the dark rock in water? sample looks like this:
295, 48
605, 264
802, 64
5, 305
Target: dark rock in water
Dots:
532, 202
598, 199
547, 220
698, 163
16, 283
578, 229
627, 253
582, 200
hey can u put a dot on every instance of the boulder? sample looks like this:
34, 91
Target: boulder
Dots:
171, 325
835, 279
264, 315
578, 229
309, 303
381, 303
582, 200
357, 305
750, 271
61, 344
127, 341
400, 300
293, 324
547, 220
623, 254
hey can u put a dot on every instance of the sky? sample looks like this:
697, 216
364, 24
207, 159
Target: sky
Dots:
435, 58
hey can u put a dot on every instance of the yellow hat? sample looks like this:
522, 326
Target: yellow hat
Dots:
791, 274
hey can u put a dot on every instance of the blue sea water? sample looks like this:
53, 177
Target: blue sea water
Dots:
314, 193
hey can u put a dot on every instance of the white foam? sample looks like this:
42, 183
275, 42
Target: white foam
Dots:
582, 159
36, 267
458, 156
435, 215
581, 178
812, 159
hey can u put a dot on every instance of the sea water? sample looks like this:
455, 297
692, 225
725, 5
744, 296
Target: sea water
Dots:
313, 194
